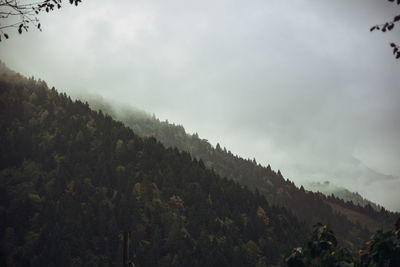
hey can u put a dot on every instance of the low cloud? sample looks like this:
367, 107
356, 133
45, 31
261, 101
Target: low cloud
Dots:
302, 85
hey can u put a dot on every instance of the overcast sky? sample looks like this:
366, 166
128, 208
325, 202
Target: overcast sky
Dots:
301, 85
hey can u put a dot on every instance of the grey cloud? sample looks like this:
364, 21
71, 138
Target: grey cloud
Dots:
302, 85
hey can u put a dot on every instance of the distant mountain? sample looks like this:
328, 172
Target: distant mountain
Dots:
352, 223
72, 180
328, 189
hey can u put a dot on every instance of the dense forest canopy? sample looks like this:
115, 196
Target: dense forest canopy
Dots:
72, 180
353, 223
163, 57
76, 177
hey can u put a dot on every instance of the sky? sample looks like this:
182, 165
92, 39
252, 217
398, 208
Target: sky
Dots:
302, 85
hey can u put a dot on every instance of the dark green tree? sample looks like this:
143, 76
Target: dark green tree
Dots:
322, 250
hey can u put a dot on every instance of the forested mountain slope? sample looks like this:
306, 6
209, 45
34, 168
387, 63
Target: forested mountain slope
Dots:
73, 179
351, 223
329, 189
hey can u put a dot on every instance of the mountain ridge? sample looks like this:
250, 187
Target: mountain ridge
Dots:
343, 193
126, 113
271, 184
72, 180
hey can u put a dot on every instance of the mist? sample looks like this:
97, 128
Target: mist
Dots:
301, 85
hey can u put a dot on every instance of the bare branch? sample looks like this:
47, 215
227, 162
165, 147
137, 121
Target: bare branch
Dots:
21, 15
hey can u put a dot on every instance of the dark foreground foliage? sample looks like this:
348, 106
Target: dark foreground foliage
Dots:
322, 250
72, 180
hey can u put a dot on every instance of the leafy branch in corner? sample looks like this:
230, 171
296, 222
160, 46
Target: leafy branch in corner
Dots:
388, 26
21, 14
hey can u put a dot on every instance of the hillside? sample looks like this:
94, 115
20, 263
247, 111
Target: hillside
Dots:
346, 219
73, 179
328, 189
